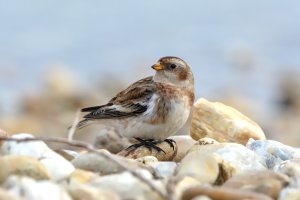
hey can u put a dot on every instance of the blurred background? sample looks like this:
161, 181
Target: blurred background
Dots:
58, 56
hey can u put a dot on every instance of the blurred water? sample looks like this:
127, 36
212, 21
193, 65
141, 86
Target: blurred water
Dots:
91, 38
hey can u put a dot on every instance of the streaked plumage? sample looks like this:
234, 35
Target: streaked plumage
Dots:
151, 108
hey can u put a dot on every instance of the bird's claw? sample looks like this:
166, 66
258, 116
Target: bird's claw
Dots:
171, 142
149, 144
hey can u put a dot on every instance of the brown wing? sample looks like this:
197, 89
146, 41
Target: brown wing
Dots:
130, 102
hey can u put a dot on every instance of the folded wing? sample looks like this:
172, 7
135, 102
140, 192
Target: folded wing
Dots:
130, 102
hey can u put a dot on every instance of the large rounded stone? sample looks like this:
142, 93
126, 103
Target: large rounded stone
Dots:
230, 158
290, 168
22, 165
100, 164
184, 143
201, 166
273, 152
39, 150
222, 123
266, 181
29, 189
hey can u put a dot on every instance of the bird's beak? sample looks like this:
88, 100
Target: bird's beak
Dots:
157, 67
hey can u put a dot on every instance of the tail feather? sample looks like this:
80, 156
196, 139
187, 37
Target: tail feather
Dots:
90, 109
84, 123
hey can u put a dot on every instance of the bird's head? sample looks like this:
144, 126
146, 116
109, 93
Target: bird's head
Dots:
175, 71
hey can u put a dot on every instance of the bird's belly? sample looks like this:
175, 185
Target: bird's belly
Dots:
140, 127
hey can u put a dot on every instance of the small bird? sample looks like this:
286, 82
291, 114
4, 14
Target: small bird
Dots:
152, 108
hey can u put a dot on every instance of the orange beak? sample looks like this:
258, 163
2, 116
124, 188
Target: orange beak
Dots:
157, 67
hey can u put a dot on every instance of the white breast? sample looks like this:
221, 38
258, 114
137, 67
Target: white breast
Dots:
176, 118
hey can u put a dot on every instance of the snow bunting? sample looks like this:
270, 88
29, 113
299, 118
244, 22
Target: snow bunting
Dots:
152, 108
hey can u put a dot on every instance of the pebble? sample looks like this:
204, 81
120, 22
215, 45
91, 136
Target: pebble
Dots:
39, 150
233, 157
182, 184
290, 168
22, 165
252, 181
199, 165
82, 176
100, 164
29, 189
184, 143
128, 186
272, 152
222, 123
67, 154
163, 169
5, 195
290, 194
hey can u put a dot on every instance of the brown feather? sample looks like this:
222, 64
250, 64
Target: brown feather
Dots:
130, 102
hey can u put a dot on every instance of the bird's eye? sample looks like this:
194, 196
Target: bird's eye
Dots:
173, 66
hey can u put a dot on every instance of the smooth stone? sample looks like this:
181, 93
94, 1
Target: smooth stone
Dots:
168, 153
290, 168
29, 189
199, 165
222, 123
77, 192
147, 160
290, 194
110, 140
204, 142
78, 187
100, 164
202, 197
272, 152
182, 184
5, 195
39, 150
82, 176
218, 193
161, 169
67, 154
184, 143
128, 186
266, 182
23, 166
234, 158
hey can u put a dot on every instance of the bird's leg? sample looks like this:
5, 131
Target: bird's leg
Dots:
171, 142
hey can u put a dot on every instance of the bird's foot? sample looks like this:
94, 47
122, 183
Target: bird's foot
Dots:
171, 142
149, 143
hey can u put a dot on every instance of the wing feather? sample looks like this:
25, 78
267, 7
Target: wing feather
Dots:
130, 102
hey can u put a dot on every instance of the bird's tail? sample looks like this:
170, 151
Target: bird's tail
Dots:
82, 124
